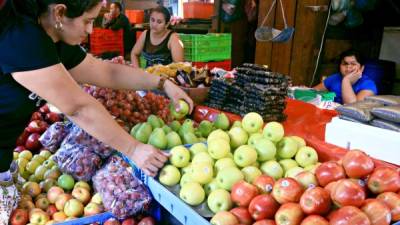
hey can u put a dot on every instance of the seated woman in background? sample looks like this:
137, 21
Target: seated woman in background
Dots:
350, 84
158, 45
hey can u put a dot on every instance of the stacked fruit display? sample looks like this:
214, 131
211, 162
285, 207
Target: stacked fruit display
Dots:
128, 107
147, 220
251, 176
49, 196
39, 122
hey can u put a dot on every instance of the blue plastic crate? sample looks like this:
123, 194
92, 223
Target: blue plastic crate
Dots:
99, 218
174, 205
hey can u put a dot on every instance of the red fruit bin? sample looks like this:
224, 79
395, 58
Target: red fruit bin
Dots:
226, 65
106, 40
135, 16
198, 10
138, 33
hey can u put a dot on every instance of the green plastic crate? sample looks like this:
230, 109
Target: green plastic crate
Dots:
207, 47
142, 62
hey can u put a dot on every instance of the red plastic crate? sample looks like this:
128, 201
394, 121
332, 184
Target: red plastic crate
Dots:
226, 65
135, 16
198, 10
106, 40
138, 33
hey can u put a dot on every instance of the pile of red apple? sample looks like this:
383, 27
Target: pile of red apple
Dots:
128, 107
351, 191
140, 220
39, 122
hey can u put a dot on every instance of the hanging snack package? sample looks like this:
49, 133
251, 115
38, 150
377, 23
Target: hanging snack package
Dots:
123, 194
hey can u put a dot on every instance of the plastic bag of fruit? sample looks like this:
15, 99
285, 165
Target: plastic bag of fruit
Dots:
77, 136
51, 139
123, 194
78, 160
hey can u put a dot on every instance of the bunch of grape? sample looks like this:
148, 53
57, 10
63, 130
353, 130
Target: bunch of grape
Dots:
128, 107
53, 136
123, 194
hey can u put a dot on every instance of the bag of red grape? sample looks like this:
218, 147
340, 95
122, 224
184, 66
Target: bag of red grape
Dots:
51, 139
77, 160
123, 194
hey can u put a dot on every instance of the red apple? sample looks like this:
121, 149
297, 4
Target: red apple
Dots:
264, 183
287, 190
53, 193
129, 221
289, 214
21, 140
52, 117
328, 172
224, 218
348, 215
44, 109
315, 201
61, 200
348, 193
330, 187
384, 179
263, 207
391, 200
265, 222
36, 116
148, 220
314, 220
42, 203
242, 214
357, 164
377, 212
37, 126
38, 217
242, 193
112, 221
92, 209
306, 179
59, 216
51, 210
19, 217
82, 194
33, 143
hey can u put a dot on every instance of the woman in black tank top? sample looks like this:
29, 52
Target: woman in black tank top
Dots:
158, 45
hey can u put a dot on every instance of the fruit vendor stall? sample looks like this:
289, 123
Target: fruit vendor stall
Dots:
246, 155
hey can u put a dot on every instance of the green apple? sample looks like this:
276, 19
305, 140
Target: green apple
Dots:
26, 154
192, 193
287, 164
82, 184
218, 134
273, 131
312, 168
251, 173
39, 172
66, 182
300, 141
252, 122
32, 165
47, 184
218, 148
224, 163
219, 200
158, 138
73, 208
15, 155
266, 149
306, 179
227, 177
272, 168
186, 178
52, 173
22, 163
135, 129
238, 136
198, 147
33, 178
224, 218
45, 153
306, 156
203, 157
49, 163
38, 158
173, 139
202, 172
287, 148
256, 164
293, 171
209, 187
205, 128
245, 155
182, 111
175, 125
221, 122
180, 156
143, 133
169, 175
254, 138
237, 123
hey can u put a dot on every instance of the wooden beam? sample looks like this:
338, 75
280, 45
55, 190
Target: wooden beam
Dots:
264, 49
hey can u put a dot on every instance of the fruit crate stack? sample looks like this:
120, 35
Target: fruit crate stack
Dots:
212, 49
106, 40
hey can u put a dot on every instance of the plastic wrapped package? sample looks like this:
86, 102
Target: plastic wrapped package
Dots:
123, 194
77, 160
78, 136
51, 139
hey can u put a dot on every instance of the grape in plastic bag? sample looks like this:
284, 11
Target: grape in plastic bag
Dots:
123, 194
78, 161
53, 136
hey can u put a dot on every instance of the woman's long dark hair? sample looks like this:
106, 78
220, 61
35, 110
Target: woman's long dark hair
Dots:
13, 10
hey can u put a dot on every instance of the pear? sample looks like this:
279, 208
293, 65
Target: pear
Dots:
134, 129
173, 139
175, 125
187, 127
205, 128
221, 122
154, 121
143, 133
158, 139
166, 129
161, 121
190, 138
